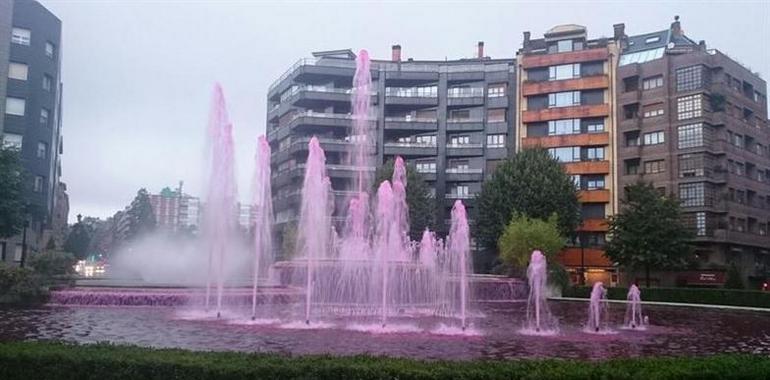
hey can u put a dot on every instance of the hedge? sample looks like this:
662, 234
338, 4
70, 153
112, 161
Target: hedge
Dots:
730, 297
42, 360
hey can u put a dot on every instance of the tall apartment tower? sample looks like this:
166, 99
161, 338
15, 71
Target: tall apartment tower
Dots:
693, 122
566, 87
452, 120
30, 116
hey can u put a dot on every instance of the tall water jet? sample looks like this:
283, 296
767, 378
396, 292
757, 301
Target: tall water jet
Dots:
386, 242
633, 317
539, 317
263, 210
315, 218
219, 221
597, 308
458, 252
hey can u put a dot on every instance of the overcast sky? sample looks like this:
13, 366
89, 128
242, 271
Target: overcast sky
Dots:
138, 74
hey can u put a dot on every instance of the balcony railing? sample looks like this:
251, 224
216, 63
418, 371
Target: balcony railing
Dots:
411, 144
426, 171
464, 171
465, 92
409, 119
462, 120
412, 92
312, 61
460, 196
466, 146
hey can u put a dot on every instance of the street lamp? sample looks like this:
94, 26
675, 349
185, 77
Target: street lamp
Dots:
24, 243
582, 238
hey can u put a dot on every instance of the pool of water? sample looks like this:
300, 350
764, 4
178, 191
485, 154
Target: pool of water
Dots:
494, 333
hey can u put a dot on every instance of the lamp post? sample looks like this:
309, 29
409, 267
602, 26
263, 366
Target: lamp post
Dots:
582, 257
24, 243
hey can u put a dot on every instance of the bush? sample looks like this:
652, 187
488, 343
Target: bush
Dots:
52, 263
734, 279
524, 235
20, 286
33, 360
557, 276
729, 297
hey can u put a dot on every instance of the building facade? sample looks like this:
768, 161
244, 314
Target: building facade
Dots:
30, 116
452, 120
174, 210
565, 97
694, 122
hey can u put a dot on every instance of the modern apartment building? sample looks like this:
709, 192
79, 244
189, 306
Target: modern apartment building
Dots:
694, 122
30, 116
453, 120
175, 210
565, 92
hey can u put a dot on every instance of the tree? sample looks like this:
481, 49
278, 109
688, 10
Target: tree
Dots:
11, 192
79, 239
734, 279
648, 232
530, 183
141, 219
422, 206
288, 241
524, 235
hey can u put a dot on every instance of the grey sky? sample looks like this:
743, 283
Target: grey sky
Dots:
138, 74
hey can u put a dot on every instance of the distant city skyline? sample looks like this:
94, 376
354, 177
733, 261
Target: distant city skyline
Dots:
138, 76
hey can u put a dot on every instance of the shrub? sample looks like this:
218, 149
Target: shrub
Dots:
734, 280
20, 286
729, 297
52, 263
523, 235
33, 360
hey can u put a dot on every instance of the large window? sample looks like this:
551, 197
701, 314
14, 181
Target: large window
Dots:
564, 71
691, 136
563, 127
652, 82
496, 90
47, 82
564, 99
656, 166
12, 140
425, 166
564, 46
696, 194
496, 115
654, 138
689, 78
18, 71
459, 140
595, 127
594, 182
495, 141
21, 36
688, 107
50, 49
694, 165
15, 106
42, 150
652, 110
565, 154
594, 153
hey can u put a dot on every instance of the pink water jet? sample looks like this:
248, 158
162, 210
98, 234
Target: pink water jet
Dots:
598, 317
633, 318
263, 209
458, 252
539, 318
219, 223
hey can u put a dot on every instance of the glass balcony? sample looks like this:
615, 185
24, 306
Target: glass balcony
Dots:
463, 171
411, 119
412, 92
465, 92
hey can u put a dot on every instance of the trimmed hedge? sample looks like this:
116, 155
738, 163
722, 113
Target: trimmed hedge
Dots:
38, 360
730, 297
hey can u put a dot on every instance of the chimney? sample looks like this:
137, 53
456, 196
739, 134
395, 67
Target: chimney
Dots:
396, 53
480, 54
525, 44
676, 27
702, 45
620, 31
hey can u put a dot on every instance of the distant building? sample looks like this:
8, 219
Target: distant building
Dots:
174, 210
30, 116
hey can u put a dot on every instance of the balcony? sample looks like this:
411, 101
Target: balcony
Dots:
573, 112
410, 149
313, 119
577, 257
542, 60
465, 96
464, 150
594, 196
340, 171
412, 96
587, 167
464, 125
545, 87
411, 124
581, 139
427, 174
464, 174
310, 66
594, 225
455, 196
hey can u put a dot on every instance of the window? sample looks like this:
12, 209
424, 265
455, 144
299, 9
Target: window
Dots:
564, 99
565, 154
688, 107
564, 71
595, 127
653, 110
652, 167
563, 127
691, 136
496, 115
700, 223
50, 49
47, 82
38, 185
426, 140
460, 191
632, 138
641, 56
44, 117
18, 71
496, 90
692, 194
652, 82
495, 141
18, 252
12, 140
564, 46
692, 165
459, 140
15, 106
650, 40
21, 36
689, 78
576, 180
42, 150
737, 140
459, 165
654, 138
632, 166
426, 166
594, 153
594, 182
459, 115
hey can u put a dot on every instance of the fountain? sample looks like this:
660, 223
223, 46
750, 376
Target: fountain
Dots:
597, 309
539, 317
263, 209
633, 318
220, 207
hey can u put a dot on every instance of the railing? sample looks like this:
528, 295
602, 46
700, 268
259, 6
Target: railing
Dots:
342, 167
465, 92
463, 171
460, 196
412, 92
426, 171
344, 63
409, 119
460, 120
411, 144
464, 145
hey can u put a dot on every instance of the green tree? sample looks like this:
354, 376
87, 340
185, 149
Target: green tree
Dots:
51, 263
11, 192
141, 219
288, 241
524, 235
78, 239
422, 207
530, 183
734, 279
648, 233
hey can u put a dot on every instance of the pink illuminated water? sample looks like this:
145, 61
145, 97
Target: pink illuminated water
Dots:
597, 310
539, 321
263, 224
221, 195
458, 252
633, 317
